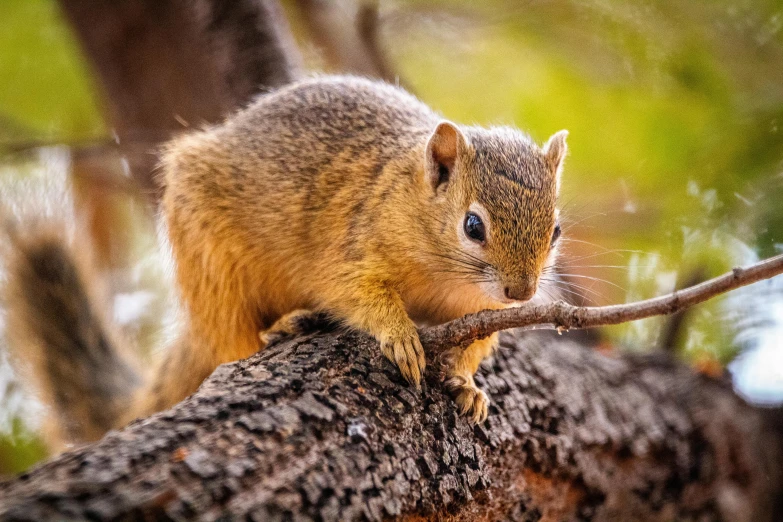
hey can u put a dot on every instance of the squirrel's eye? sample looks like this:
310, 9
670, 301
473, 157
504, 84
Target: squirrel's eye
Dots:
474, 227
556, 234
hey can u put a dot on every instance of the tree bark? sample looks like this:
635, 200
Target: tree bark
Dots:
322, 427
166, 65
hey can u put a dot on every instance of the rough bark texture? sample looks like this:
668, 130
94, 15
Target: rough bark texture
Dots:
322, 427
164, 65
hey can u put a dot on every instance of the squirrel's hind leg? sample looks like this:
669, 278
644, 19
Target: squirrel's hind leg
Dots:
463, 364
298, 322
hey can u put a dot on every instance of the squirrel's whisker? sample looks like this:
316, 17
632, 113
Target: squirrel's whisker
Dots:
591, 278
583, 288
574, 293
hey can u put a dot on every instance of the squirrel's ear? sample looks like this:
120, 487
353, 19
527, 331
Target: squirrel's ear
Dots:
442, 150
555, 151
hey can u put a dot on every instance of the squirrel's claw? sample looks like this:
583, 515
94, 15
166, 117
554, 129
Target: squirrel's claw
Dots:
408, 354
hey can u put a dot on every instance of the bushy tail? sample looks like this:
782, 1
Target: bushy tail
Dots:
59, 336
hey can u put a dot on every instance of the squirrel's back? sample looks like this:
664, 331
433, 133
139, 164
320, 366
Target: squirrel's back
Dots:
336, 117
300, 145
295, 181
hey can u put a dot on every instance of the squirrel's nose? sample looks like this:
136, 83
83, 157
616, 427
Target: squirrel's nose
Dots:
521, 292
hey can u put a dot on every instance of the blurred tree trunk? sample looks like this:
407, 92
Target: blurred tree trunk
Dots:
164, 65
322, 427
349, 41
100, 194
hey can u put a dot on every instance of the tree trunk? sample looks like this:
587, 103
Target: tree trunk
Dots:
168, 64
322, 427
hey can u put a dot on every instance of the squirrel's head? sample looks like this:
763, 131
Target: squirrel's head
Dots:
497, 192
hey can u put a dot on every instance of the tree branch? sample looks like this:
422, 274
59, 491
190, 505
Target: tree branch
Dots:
323, 427
562, 316
349, 45
368, 28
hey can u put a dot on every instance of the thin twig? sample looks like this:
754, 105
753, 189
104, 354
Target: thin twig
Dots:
672, 334
461, 332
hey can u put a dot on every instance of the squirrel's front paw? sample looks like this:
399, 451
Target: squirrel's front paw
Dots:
407, 353
472, 401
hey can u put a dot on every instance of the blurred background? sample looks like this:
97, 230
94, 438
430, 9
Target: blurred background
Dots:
675, 171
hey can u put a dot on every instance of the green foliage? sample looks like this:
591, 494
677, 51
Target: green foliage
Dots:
46, 92
19, 449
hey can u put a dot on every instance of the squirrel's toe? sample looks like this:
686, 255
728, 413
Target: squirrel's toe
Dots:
408, 355
471, 400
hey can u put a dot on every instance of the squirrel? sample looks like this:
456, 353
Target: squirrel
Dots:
345, 196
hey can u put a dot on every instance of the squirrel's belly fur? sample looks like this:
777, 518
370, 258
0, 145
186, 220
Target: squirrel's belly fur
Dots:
348, 196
